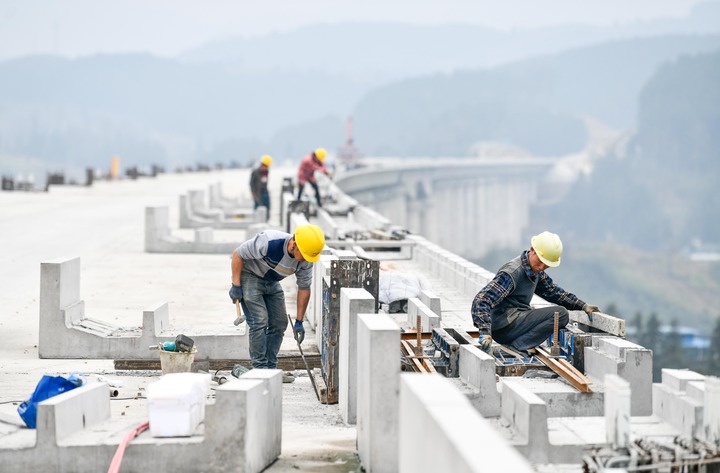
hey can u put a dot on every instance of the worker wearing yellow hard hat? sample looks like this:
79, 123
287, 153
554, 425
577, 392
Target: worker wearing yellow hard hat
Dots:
259, 184
258, 265
313, 162
501, 310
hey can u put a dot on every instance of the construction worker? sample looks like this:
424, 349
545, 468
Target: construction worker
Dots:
258, 265
501, 310
314, 161
259, 184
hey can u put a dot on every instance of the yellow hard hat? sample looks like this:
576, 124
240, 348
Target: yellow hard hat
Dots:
548, 247
310, 241
266, 160
320, 154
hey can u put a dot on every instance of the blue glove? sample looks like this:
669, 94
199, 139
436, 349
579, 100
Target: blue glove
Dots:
299, 331
485, 343
236, 293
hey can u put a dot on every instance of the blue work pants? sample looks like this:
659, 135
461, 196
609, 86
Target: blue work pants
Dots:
264, 307
531, 328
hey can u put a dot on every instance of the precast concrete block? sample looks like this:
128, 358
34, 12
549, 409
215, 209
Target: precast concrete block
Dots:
711, 421
271, 444
677, 380
236, 427
353, 301
695, 390
431, 300
633, 363
328, 224
378, 371
59, 289
428, 319
617, 411
677, 409
65, 332
477, 369
527, 415
439, 431
199, 207
70, 412
203, 235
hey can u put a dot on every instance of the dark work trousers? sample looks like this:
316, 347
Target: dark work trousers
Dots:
317, 192
264, 201
531, 328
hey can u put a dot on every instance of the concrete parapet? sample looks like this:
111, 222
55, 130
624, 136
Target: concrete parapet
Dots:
429, 319
711, 421
218, 201
61, 416
76, 433
440, 431
65, 332
328, 224
159, 238
378, 377
633, 363
672, 404
527, 415
477, 369
353, 301
191, 217
617, 411
431, 300
270, 433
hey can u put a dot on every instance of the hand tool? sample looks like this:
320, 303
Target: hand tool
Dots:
240, 316
312, 378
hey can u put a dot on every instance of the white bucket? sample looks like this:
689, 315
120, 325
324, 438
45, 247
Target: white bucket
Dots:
176, 361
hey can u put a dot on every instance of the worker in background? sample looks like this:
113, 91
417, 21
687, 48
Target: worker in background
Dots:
259, 184
501, 310
258, 265
306, 173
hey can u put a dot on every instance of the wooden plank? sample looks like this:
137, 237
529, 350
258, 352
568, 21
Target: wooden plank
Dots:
412, 335
565, 370
408, 351
285, 363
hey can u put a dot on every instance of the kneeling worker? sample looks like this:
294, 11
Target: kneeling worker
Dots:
501, 310
258, 266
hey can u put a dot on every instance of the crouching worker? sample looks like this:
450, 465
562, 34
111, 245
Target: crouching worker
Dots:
258, 266
501, 310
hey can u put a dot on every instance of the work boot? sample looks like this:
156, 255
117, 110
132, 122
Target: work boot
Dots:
239, 370
288, 377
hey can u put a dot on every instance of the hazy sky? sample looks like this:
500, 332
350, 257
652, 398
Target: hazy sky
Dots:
168, 27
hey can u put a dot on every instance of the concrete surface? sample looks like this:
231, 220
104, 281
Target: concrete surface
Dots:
104, 225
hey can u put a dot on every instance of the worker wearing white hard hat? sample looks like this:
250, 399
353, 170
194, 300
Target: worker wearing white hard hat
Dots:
502, 311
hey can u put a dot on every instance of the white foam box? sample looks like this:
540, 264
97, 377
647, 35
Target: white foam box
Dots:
176, 404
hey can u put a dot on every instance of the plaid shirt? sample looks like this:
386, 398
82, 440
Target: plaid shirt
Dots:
502, 285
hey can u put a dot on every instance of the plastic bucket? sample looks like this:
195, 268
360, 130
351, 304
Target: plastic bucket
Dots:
176, 361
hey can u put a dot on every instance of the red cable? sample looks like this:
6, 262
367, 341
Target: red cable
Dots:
120, 452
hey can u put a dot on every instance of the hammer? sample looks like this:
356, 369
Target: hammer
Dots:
240, 316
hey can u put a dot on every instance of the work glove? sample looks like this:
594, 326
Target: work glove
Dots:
485, 343
299, 331
236, 293
589, 309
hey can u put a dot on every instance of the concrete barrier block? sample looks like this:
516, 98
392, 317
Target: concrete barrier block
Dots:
431, 300
70, 412
711, 420
203, 235
353, 301
617, 411
428, 318
677, 380
271, 443
526, 413
439, 431
633, 363
477, 369
378, 371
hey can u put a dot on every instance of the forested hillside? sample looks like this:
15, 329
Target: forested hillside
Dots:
536, 104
